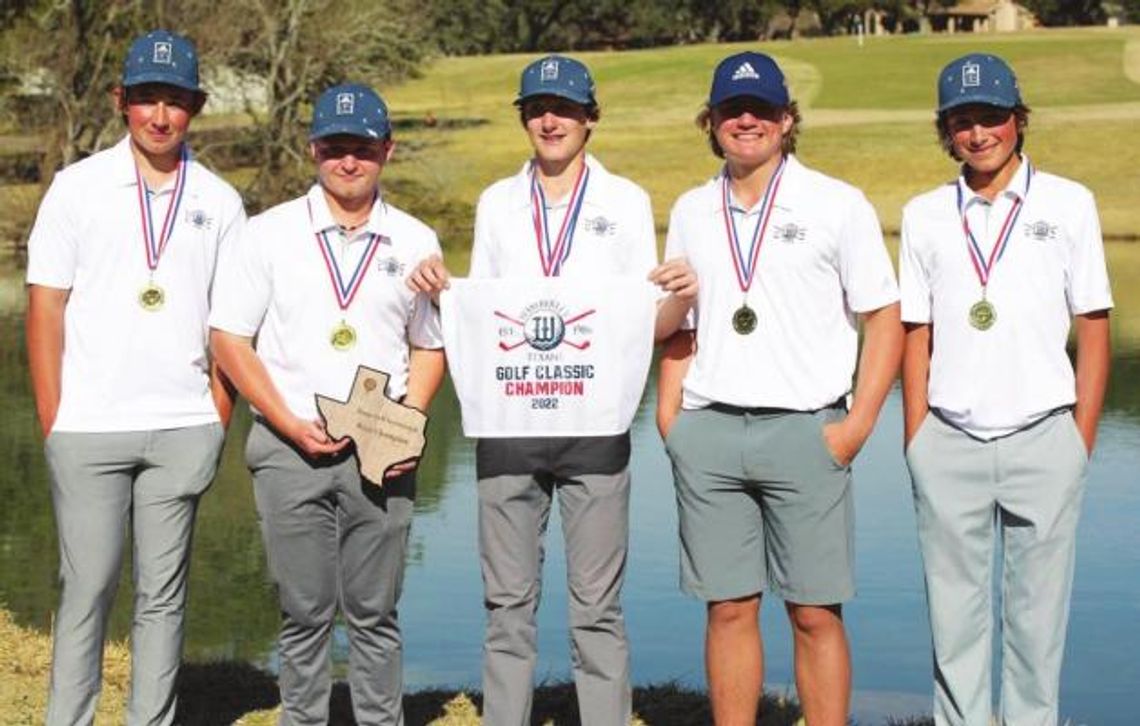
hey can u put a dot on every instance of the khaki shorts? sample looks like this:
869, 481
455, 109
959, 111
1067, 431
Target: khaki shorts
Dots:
762, 506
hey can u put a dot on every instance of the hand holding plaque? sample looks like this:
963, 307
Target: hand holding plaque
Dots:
385, 432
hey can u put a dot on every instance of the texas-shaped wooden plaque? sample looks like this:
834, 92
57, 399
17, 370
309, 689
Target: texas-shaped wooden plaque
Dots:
385, 432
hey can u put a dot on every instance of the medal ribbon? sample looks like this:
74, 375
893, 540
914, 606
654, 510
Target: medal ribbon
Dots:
553, 256
746, 267
155, 246
345, 289
982, 266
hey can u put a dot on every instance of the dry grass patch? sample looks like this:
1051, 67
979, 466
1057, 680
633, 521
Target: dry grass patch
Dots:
25, 668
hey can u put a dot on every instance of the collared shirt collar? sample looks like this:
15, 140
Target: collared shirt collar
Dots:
520, 185
792, 167
1017, 187
123, 164
323, 220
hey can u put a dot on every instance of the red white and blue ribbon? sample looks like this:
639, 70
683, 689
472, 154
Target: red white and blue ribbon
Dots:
982, 266
156, 244
554, 254
345, 289
746, 264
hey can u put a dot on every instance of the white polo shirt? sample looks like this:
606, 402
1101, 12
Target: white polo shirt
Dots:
821, 261
126, 368
991, 383
614, 234
275, 284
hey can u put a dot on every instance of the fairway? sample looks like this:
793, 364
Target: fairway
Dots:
867, 116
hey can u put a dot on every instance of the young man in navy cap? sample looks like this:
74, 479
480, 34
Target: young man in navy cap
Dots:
120, 264
994, 267
583, 221
319, 281
756, 418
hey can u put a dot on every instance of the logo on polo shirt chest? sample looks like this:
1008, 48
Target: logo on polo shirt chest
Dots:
1041, 230
198, 219
600, 226
390, 266
789, 233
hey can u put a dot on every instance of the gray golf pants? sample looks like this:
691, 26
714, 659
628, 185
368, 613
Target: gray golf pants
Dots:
1022, 493
333, 539
513, 514
102, 484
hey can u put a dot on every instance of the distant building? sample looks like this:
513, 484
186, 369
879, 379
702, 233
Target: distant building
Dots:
980, 16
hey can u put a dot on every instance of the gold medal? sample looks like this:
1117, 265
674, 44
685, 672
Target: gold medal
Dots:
151, 298
343, 336
982, 315
744, 320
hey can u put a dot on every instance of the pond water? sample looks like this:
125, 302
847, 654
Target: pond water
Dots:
232, 612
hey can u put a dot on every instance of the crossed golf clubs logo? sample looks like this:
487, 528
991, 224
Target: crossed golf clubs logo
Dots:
545, 329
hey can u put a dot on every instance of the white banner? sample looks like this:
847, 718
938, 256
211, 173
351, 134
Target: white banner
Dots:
548, 356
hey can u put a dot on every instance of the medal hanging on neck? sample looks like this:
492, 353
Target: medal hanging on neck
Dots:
983, 314
152, 297
744, 318
343, 335
553, 255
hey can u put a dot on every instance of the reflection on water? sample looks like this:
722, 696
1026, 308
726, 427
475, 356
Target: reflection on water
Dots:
233, 614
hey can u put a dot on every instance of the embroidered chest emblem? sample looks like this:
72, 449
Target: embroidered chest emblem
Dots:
198, 219
600, 226
390, 266
790, 232
1041, 230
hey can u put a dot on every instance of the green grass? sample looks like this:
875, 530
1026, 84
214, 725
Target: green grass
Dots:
867, 119
1055, 67
228, 692
867, 116
1085, 125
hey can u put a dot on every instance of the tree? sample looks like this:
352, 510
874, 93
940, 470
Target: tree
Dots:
292, 49
1067, 12
295, 49
835, 15
74, 49
468, 27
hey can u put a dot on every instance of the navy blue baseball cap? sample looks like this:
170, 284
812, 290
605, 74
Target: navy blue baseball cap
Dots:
977, 78
557, 75
162, 57
749, 74
353, 109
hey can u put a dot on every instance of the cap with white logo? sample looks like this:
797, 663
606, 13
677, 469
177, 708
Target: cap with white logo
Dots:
557, 75
352, 109
161, 57
749, 74
977, 78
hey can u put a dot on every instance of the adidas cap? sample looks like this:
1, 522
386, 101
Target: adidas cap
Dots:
749, 74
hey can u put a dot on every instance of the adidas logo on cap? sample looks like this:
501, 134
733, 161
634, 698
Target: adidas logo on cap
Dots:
745, 71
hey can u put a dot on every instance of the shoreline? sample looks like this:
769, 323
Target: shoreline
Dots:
227, 692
